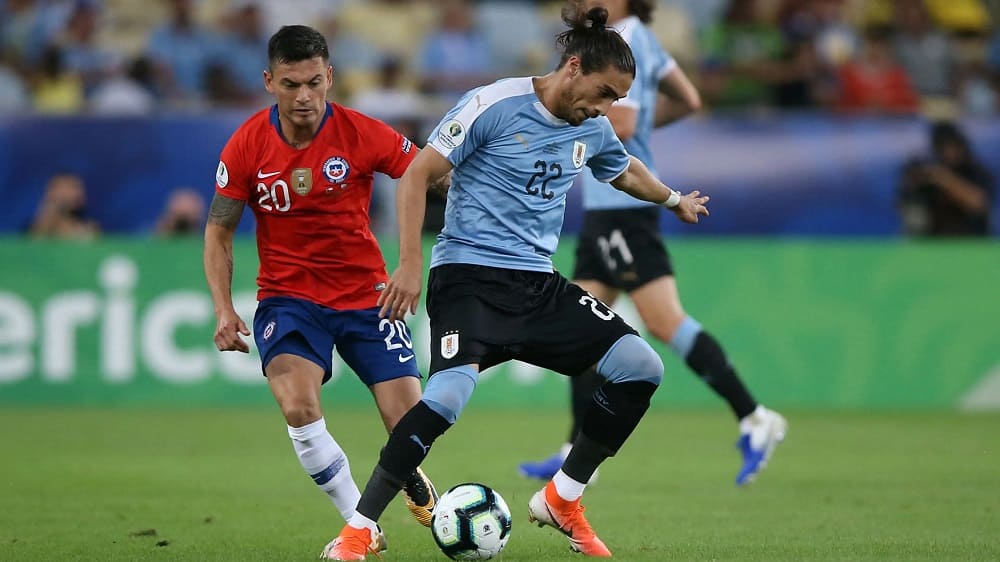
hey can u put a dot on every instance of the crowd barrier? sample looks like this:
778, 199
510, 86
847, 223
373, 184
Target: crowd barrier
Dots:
781, 174
833, 324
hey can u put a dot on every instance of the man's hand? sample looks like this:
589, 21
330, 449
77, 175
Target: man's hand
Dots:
227, 333
402, 294
691, 205
441, 186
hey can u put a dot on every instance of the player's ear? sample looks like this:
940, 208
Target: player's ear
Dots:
573, 66
268, 78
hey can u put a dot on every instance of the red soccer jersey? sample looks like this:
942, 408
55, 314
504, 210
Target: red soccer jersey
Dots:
313, 231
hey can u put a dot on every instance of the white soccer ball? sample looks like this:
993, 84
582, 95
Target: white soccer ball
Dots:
471, 522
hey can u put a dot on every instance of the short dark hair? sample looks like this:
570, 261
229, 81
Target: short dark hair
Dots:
642, 9
947, 132
589, 38
294, 43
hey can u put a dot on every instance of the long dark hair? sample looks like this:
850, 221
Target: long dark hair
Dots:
597, 45
294, 43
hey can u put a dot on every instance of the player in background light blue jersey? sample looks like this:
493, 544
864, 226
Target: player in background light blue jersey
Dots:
513, 149
621, 249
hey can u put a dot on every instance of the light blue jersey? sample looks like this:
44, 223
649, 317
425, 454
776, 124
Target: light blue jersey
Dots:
651, 64
513, 163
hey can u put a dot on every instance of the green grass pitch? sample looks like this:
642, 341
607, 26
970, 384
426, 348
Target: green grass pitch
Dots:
128, 484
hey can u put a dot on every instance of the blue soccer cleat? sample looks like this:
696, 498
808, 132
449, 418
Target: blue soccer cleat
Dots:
544, 469
760, 433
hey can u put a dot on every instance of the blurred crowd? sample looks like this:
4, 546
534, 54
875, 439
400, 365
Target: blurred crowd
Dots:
405, 58
407, 61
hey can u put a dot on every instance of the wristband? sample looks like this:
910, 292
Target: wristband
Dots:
673, 200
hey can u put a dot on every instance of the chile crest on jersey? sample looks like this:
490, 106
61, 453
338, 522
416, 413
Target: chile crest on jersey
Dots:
336, 169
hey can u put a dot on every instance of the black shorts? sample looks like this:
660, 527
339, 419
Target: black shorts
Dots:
622, 248
488, 315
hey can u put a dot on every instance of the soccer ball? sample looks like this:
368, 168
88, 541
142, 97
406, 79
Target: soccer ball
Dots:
471, 522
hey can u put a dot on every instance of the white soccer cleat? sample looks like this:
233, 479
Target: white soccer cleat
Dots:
760, 433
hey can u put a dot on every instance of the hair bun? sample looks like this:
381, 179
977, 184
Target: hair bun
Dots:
596, 18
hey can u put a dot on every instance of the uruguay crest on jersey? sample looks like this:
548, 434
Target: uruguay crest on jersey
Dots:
579, 153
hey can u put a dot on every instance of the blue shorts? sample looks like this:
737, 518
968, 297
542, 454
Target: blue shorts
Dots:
374, 348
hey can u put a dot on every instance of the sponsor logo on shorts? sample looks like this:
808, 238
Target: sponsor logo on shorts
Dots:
269, 330
407, 145
449, 345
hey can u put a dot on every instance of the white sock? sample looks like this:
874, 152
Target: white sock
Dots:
359, 521
565, 449
326, 463
749, 421
567, 488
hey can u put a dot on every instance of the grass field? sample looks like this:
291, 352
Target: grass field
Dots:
224, 485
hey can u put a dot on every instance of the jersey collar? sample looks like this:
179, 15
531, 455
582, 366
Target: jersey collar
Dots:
276, 123
540, 107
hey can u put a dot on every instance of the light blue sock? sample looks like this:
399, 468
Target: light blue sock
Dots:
684, 337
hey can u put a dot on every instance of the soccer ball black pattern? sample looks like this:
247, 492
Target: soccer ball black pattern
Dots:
471, 522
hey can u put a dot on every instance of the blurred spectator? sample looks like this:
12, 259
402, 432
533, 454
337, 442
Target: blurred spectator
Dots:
926, 53
517, 35
455, 57
56, 90
390, 99
702, 13
13, 90
960, 15
824, 23
20, 29
975, 84
182, 51
128, 91
803, 81
949, 193
314, 13
245, 49
874, 81
993, 55
354, 60
741, 57
62, 213
391, 26
184, 214
78, 42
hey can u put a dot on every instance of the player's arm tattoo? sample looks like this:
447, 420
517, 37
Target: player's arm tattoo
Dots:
441, 185
225, 212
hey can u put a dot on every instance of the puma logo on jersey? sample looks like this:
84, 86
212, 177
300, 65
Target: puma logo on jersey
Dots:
261, 175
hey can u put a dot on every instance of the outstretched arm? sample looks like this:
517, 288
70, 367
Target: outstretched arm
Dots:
403, 290
223, 216
640, 183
